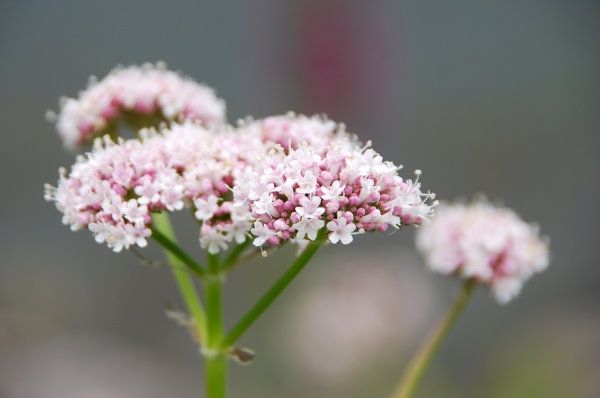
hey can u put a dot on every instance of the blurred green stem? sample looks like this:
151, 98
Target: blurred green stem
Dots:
420, 361
216, 360
162, 228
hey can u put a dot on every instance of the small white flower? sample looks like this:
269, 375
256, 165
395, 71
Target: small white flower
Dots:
133, 212
333, 192
340, 231
237, 230
262, 233
212, 239
206, 207
308, 227
264, 205
368, 187
307, 183
309, 207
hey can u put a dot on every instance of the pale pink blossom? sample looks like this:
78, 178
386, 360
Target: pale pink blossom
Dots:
209, 163
212, 239
206, 207
341, 230
333, 192
262, 233
113, 196
488, 243
309, 207
149, 92
290, 131
308, 227
239, 184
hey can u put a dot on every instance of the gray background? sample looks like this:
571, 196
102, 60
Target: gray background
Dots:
494, 97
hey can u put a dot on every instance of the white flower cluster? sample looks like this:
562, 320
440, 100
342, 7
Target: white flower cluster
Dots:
488, 243
239, 183
147, 90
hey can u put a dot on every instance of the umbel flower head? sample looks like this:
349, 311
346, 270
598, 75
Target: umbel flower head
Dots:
114, 189
486, 242
239, 184
292, 130
139, 95
343, 189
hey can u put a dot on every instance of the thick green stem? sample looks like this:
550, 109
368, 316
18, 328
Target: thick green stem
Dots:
216, 361
216, 376
267, 299
162, 226
420, 361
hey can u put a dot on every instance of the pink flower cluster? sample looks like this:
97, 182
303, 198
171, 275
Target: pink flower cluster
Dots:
291, 130
488, 243
149, 90
239, 183
114, 189
234, 153
343, 189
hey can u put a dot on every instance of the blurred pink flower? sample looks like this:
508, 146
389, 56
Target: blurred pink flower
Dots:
486, 242
142, 90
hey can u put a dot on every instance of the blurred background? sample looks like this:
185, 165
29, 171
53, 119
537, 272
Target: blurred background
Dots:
494, 97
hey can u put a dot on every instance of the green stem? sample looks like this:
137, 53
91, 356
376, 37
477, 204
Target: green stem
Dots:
216, 376
267, 299
420, 361
214, 305
216, 361
175, 252
162, 227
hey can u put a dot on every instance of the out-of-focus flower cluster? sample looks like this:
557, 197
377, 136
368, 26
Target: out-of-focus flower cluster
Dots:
148, 92
291, 130
488, 243
241, 182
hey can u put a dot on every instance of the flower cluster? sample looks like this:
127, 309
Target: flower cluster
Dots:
488, 243
150, 92
114, 189
238, 183
346, 190
291, 130
208, 177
